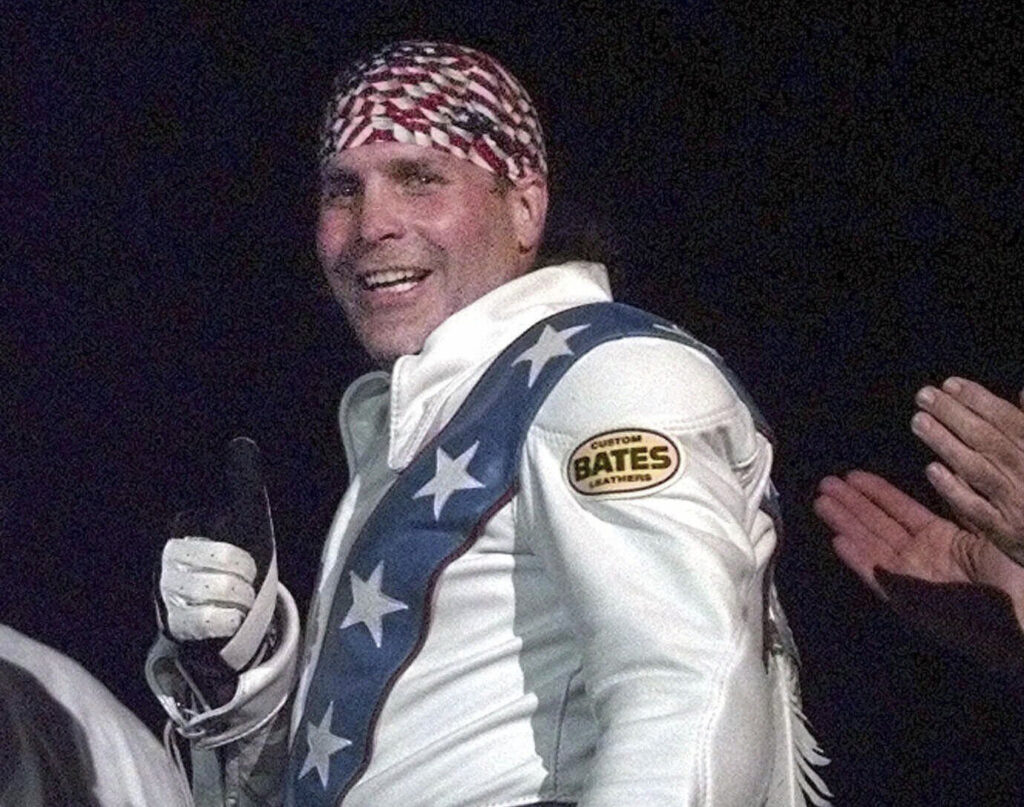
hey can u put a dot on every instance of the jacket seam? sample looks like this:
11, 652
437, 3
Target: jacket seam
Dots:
384, 772
614, 680
716, 418
562, 709
728, 665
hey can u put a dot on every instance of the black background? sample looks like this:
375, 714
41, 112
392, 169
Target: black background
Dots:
830, 196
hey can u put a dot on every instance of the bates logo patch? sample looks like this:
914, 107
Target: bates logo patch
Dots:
623, 461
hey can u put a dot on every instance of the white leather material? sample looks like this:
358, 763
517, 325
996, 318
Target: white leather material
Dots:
600, 650
664, 589
248, 638
603, 650
427, 387
260, 693
206, 586
127, 763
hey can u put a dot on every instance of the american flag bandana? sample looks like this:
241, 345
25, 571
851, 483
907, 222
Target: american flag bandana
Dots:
437, 95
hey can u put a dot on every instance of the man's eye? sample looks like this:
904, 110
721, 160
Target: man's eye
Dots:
421, 180
338, 190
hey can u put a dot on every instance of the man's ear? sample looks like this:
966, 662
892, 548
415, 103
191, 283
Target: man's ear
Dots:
528, 201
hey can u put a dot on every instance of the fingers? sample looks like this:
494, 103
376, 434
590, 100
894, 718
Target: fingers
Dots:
206, 587
830, 508
974, 466
956, 435
198, 554
196, 623
971, 507
244, 515
906, 511
1000, 414
977, 513
865, 501
979, 435
879, 526
856, 544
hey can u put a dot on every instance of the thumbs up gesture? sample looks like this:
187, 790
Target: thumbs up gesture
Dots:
218, 571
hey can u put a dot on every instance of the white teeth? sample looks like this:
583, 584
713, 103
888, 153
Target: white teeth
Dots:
394, 279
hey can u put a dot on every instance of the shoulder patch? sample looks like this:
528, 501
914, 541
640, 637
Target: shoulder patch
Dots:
623, 461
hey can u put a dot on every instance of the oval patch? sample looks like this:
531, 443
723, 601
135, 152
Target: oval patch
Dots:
622, 461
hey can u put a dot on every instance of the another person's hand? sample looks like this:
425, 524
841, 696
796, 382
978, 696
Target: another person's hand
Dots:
877, 526
980, 439
949, 582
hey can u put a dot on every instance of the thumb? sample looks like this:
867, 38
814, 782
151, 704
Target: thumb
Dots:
235, 507
242, 468
247, 521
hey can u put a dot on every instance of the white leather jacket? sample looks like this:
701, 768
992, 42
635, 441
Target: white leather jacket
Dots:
55, 716
599, 646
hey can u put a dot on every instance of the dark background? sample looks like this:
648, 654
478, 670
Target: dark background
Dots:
829, 196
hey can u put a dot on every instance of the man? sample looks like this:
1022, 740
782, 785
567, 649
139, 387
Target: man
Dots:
962, 583
548, 581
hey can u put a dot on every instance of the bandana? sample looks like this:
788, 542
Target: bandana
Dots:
441, 96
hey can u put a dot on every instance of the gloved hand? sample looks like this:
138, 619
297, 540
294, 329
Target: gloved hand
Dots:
206, 587
218, 574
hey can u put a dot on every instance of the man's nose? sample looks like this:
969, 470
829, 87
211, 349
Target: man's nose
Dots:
380, 215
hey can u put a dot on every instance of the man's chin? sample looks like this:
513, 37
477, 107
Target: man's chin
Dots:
387, 336
384, 351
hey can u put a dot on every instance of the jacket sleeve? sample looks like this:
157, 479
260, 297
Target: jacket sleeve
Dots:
239, 749
665, 583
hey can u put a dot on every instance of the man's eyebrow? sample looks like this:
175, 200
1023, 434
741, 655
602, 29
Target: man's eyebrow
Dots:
397, 167
334, 173
405, 165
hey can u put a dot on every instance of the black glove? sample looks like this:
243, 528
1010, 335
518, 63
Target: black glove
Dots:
201, 557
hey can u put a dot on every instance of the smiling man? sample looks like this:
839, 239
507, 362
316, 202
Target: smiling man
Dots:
408, 236
548, 581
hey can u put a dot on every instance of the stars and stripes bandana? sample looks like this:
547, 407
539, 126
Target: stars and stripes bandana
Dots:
437, 95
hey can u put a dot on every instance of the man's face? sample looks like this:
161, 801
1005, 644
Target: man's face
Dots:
408, 235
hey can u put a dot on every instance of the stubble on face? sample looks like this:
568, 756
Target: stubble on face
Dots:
420, 236
394, 320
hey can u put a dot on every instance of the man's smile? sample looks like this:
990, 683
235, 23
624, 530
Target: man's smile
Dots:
392, 280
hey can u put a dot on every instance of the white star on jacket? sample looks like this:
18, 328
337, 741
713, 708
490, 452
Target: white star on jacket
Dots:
369, 604
550, 345
322, 745
450, 475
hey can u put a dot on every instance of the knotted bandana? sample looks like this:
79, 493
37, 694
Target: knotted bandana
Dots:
437, 95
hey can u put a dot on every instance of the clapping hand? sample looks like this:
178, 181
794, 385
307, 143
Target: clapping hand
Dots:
943, 578
980, 439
